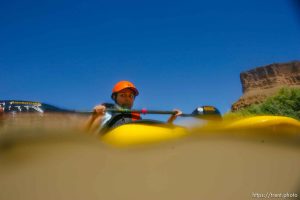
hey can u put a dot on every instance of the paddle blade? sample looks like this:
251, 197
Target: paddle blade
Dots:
207, 113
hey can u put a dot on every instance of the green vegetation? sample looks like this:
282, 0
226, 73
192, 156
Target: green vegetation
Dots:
285, 103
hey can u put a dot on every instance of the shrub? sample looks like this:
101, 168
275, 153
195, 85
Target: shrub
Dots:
285, 103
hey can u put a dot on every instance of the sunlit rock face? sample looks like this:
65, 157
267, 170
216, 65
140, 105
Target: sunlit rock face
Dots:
262, 82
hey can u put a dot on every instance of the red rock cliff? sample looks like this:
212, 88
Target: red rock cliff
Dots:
262, 82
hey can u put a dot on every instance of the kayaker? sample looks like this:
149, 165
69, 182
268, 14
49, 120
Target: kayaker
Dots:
123, 94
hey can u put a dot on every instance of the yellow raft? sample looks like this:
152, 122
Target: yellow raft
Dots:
145, 131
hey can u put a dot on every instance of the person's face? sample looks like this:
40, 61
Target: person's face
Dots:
125, 98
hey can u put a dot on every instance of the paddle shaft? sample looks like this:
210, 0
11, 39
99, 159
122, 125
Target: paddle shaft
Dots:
163, 112
142, 111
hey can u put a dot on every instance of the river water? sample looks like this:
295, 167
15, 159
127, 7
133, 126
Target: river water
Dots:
51, 159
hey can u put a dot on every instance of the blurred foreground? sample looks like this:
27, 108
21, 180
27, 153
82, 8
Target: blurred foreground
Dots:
49, 158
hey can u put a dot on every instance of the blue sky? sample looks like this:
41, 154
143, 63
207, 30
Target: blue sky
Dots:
180, 54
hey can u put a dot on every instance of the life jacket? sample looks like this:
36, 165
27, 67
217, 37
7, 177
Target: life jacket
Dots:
118, 119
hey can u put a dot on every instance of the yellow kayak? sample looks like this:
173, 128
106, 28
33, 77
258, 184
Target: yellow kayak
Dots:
143, 132
147, 131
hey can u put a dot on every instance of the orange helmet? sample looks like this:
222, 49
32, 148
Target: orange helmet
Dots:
123, 85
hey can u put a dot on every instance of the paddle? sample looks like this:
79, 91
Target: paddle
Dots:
203, 112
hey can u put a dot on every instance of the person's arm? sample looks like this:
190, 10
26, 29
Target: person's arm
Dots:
94, 120
174, 116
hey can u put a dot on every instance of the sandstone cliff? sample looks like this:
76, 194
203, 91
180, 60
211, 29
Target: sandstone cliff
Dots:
262, 82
